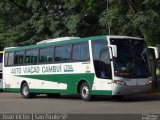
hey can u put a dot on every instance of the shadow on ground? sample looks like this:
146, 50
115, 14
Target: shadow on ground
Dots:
130, 98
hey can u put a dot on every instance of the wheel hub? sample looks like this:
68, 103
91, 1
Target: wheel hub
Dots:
25, 91
85, 92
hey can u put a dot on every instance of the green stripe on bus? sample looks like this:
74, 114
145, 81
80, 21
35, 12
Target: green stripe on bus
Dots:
94, 92
17, 90
71, 80
14, 90
101, 92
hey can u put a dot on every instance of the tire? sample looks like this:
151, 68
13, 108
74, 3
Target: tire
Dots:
25, 91
85, 92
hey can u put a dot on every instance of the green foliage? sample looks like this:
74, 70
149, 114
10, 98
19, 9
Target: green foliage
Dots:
24, 22
135, 18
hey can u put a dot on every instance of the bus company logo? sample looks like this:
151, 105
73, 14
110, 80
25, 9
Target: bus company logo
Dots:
68, 68
150, 117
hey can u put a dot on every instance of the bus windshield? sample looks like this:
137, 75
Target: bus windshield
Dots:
132, 60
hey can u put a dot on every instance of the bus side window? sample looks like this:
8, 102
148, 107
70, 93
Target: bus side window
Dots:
105, 64
46, 54
31, 56
19, 57
62, 53
27, 59
6, 59
80, 52
101, 59
10, 58
33, 59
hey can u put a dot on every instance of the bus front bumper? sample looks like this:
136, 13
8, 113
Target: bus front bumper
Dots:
129, 90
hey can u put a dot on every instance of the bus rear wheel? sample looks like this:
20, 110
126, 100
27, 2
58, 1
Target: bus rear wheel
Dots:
25, 91
85, 92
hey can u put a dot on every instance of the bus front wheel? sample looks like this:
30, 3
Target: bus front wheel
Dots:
25, 91
85, 92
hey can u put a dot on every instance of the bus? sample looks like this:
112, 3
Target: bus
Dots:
97, 65
154, 54
1, 82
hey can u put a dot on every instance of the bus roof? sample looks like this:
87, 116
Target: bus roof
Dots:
123, 37
65, 41
57, 40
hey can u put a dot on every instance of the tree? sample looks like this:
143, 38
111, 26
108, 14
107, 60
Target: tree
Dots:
27, 22
132, 17
13, 22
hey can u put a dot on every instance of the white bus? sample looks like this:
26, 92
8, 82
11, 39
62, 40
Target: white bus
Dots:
1, 82
98, 65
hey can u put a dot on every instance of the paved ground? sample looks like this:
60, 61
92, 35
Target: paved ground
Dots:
69, 104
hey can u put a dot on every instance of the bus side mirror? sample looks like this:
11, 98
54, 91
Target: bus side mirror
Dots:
154, 51
114, 50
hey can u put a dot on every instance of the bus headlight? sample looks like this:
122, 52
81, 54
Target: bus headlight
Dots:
121, 82
149, 82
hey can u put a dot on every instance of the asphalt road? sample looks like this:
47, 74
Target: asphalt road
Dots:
69, 104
